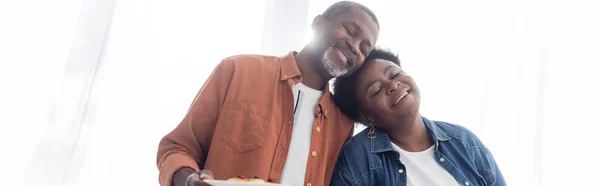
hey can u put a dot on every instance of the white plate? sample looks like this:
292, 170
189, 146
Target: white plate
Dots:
235, 183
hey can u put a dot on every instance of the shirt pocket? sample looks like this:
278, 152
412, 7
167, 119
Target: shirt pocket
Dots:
245, 126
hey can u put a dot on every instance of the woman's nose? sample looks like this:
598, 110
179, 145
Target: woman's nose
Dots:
393, 86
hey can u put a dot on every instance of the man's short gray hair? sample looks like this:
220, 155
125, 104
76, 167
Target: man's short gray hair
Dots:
346, 6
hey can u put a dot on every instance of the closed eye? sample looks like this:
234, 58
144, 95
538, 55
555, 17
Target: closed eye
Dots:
349, 31
378, 90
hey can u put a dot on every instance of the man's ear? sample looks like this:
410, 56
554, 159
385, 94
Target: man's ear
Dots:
317, 22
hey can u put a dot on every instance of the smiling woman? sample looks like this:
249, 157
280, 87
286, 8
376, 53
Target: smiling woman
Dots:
427, 152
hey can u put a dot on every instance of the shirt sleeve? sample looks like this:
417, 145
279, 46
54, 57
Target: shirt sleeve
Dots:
188, 144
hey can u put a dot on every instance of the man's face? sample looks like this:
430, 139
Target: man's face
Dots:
344, 41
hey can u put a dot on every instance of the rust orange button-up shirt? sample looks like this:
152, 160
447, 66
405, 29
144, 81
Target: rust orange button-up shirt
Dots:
241, 124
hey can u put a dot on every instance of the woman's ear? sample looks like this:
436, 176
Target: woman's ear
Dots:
365, 119
362, 118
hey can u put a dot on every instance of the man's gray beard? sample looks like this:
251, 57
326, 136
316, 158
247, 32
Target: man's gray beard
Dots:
331, 67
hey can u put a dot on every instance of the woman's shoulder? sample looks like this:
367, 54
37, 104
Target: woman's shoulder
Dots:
452, 129
455, 131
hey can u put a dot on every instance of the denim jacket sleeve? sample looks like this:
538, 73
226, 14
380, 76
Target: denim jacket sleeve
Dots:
498, 177
350, 164
491, 173
340, 176
484, 160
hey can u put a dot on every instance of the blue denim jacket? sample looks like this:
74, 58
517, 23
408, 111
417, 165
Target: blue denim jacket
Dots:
366, 161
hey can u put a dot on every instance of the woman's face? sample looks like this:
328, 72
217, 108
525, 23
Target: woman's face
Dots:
387, 94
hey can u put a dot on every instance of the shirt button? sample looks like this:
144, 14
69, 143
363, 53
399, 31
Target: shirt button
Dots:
325, 112
289, 122
467, 183
284, 76
400, 171
441, 159
318, 129
314, 153
308, 184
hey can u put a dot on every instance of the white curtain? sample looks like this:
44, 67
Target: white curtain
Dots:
88, 87
37, 41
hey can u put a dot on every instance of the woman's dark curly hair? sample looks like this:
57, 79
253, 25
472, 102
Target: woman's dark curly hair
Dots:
344, 88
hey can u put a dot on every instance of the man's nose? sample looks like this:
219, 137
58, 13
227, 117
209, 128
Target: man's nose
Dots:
354, 46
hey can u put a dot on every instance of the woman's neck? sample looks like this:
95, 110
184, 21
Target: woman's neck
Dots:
411, 136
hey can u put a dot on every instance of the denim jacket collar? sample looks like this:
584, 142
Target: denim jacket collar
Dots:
382, 143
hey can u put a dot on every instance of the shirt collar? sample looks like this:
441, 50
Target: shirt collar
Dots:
382, 143
289, 71
436, 132
326, 103
289, 68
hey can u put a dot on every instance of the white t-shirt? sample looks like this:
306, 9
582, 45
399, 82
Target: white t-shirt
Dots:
305, 101
422, 169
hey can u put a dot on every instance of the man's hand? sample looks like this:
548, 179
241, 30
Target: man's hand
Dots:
188, 177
